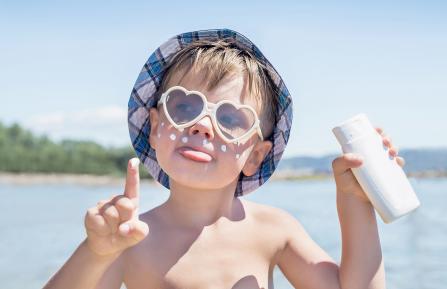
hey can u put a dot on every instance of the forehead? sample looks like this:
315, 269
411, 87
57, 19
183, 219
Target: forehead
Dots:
234, 87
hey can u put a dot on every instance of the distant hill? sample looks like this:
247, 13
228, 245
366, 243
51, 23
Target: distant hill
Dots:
417, 161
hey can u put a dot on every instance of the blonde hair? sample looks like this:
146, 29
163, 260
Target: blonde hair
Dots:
222, 58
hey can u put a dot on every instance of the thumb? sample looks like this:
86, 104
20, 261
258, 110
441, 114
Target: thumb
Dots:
345, 162
136, 229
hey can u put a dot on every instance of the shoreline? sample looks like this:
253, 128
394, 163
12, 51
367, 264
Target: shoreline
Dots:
101, 180
55, 178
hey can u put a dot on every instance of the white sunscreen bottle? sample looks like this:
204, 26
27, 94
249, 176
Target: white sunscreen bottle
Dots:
381, 178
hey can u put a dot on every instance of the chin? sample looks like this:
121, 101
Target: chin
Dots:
198, 177
195, 182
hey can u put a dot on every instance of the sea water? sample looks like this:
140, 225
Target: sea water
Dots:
41, 226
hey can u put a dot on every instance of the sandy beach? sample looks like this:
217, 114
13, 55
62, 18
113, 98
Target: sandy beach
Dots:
81, 179
96, 180
92, 180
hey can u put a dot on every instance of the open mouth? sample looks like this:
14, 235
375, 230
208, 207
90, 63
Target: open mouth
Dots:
195, 155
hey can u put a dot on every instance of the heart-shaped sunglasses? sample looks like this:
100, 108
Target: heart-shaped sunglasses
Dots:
232, 121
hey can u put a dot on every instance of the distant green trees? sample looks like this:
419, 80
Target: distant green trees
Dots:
23, 152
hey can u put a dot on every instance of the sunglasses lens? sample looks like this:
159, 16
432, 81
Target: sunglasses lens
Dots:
182, 107
234, 122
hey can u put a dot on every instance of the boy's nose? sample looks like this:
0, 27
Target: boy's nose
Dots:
204, 126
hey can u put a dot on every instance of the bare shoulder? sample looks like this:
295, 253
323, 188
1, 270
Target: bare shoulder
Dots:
280, 225
271, 215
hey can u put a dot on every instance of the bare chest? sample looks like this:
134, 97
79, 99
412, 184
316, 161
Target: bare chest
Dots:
215, 259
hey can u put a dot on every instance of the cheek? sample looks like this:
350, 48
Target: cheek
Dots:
234, 156
238, 152
166, 131
167, 137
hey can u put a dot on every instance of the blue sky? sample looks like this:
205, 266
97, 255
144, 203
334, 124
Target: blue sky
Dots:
67, 68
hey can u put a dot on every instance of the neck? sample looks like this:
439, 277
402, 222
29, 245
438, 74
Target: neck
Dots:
196, 208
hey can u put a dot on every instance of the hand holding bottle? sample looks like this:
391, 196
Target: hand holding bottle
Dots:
345, 179
377, 177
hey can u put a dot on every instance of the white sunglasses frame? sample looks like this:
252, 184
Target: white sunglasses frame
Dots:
210, 109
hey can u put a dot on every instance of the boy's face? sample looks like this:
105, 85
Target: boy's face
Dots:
197, 157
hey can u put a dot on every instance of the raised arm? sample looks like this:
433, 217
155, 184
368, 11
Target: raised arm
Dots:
303, 262
112, 226
307, 266
85, 269
361, 261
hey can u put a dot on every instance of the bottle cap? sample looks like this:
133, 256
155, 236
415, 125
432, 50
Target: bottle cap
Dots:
352, 128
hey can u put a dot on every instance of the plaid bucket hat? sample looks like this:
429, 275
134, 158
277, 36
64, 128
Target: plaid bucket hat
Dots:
144, 96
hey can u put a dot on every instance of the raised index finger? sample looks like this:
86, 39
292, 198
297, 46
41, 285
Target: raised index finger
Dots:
132, 188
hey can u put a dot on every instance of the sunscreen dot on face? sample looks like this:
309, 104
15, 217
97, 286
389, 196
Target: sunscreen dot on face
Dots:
237, 156
158, 135
184, 139
204, 142
172, 136
181, 129
162, 124
223, 148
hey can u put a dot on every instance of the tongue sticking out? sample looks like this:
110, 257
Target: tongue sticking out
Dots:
195, 155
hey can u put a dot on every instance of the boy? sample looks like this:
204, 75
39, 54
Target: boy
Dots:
210, 118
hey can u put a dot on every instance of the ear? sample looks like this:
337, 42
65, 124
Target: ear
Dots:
153, 117
257, 155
